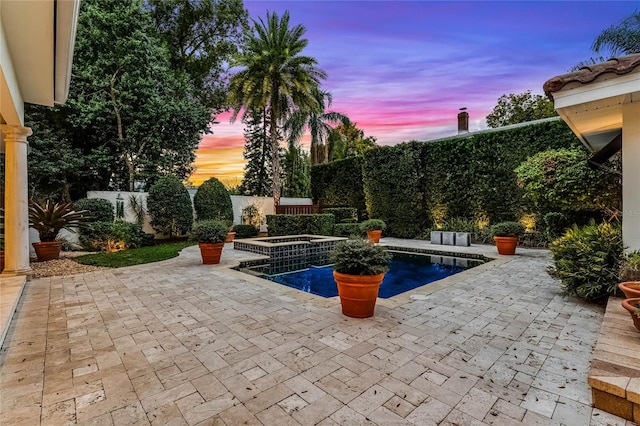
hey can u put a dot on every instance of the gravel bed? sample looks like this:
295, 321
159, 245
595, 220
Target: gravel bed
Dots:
63, 266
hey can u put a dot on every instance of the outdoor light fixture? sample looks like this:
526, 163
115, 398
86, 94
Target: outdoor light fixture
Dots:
119, 207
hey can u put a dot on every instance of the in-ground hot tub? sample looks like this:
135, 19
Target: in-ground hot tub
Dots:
287, 252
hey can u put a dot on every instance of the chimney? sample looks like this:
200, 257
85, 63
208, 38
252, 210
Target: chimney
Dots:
463, 121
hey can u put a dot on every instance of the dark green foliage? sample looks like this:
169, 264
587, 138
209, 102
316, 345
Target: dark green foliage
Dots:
373, 225
245, 231
561, 180
296, 224
507, 229
347, 230
555, 224
257, 151
392, 183
342, 214
295, 168
99, 236
212, 201
587, 260
359, 257
415, 185
520, 108
630, 270
135, 256
98, 209
209, 231
339, 183
169, 207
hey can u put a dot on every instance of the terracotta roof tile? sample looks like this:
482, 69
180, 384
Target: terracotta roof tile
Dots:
588, 74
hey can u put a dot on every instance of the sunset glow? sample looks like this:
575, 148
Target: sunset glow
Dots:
401, 70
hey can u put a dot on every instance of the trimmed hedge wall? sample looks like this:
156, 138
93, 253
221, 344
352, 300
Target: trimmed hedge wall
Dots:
343, 214
347, 230
413, 185
339, 183
296, 224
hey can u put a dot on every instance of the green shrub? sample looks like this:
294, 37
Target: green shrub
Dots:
507, 229
245, 231
209, 231
212, 201
101, 236
460, 224
373, 225
339, 183
555, 225
169, 207
98, 209
359, 257
343, 214
296, 224
630, 269
346, 230
587, 260
251, 216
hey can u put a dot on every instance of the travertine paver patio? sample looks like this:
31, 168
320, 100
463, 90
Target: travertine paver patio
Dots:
178, 342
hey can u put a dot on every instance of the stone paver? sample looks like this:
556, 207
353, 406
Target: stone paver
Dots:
178, 342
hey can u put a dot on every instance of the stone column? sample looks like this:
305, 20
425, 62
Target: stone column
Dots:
16, 201
631, 176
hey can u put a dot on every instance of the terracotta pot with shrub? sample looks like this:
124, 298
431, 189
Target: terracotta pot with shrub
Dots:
358, 271
505, 235
210, 235
630, 275
48, 219
373, 228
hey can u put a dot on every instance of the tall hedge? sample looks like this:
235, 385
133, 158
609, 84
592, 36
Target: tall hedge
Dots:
212, 201
169, 206
339, 184
416, 184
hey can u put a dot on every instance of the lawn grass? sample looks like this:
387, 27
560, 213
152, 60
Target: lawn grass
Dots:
135, 256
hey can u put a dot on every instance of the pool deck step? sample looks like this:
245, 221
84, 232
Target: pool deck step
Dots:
614, 375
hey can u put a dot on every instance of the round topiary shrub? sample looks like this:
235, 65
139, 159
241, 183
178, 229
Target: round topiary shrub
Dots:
98, 209
359, 257
169, 207
212, 201
507, 229
209, 231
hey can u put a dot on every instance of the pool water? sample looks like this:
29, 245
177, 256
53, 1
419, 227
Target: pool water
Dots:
406, 272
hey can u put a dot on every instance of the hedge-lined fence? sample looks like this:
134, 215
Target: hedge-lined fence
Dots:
416, 185
296, 224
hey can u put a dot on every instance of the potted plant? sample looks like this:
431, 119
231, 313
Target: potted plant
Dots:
633, 307
630, 275
373, 228
358, 271
48, 219
231, 233
210, 235
506, 235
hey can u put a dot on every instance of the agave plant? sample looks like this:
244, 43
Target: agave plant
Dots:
48, 219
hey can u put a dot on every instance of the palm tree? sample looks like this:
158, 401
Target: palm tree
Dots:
318, 123
275, 77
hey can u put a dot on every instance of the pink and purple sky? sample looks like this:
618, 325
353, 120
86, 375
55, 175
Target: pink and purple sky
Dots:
402, 69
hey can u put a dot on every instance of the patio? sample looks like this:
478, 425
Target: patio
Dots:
183, 343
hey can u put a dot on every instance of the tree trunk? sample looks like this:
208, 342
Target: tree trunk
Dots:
275, 151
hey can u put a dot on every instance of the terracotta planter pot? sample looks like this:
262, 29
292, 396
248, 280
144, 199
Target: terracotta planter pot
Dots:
211, 253
506, 245
230, 236
630, 306
631, 289
374, 236
358, 293
49, 250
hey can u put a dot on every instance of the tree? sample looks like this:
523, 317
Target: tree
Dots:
169, 206
212, 201
129, 117
257, 150
617, 40
317, 121
201, 37
347, 140
562, 181
276, 77
520, 108
297, 173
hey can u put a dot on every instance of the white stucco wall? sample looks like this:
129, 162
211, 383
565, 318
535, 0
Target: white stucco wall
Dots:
630, 176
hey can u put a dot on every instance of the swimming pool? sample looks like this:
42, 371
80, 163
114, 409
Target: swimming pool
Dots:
407, 271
